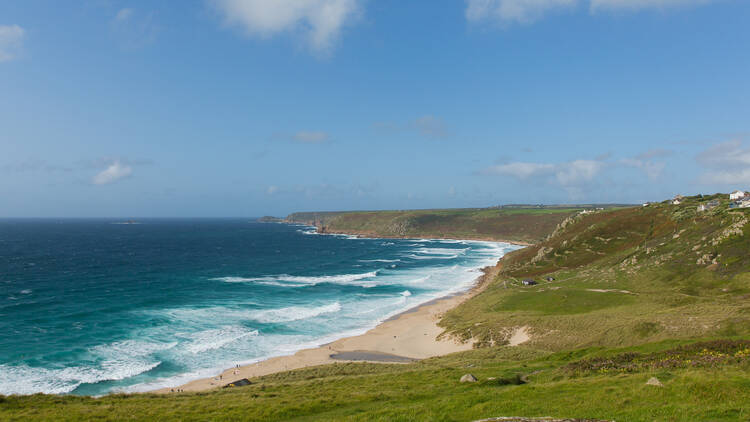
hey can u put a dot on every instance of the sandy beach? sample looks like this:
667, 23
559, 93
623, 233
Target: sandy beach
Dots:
410, 335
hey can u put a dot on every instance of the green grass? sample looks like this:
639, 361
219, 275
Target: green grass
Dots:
430, 391
646, 252
561, 302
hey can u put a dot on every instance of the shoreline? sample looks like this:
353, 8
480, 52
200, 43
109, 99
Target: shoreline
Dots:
407, 336
374, 235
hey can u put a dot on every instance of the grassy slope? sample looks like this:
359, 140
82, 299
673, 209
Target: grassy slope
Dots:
430, 391
663, 255
647, 258
518, 225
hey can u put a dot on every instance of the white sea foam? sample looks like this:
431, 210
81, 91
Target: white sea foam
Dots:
301, 280
24, 379
379, 260
414, 256
441, 251
294, 313
131, 348
216, 338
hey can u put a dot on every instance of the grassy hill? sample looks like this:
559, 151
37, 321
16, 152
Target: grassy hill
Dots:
522, 224
621, 277
660, 291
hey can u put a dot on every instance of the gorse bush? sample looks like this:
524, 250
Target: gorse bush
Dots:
702, 354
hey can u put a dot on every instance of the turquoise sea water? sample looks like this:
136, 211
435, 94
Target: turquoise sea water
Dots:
92, 306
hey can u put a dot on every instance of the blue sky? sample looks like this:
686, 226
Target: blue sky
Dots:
253, 107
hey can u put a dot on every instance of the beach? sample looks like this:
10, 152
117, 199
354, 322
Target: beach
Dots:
410, 335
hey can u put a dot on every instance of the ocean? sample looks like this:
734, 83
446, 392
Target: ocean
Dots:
93, 306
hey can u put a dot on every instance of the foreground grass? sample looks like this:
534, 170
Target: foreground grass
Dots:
430, 391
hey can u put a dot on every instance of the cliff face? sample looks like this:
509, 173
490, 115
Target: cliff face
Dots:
270, 219
523, 226
317, 219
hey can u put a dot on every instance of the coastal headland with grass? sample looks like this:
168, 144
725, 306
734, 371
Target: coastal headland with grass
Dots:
623, 313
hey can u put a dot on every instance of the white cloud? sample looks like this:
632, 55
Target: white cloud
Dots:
429, 125
521, 170
124, 14
646, 162
508, 11
727, 163
527, 11
642, 4
566, 174
577, 171
133, 29
311, 137
114, 172
11, 41
272, 189
320, 20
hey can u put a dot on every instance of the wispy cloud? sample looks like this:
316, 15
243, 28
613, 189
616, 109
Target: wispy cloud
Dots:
528, 11
431, 126
311, 137
567, 174
32, 165
649, 162
134, 29
115, 171
11, 42
508, 11
124, 14
426, 125
320, 21
726, 163
642, 4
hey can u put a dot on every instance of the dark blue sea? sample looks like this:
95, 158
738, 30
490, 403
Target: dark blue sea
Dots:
97, 306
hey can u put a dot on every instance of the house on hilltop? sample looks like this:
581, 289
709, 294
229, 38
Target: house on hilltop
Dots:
677, 199
741, 203
708, 205
738, 194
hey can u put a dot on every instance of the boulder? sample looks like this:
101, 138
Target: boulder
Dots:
468, 378
655, 382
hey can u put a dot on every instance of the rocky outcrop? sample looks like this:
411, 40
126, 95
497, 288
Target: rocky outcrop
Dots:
468, 378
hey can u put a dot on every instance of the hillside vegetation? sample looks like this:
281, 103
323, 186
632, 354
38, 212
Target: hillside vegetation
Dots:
621, 277
522, 225
658, 292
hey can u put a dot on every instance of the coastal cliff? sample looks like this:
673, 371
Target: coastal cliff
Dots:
521, 226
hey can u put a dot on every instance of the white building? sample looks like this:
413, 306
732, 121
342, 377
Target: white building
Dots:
737, 195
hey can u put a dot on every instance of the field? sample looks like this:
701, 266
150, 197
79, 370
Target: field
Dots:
623, 295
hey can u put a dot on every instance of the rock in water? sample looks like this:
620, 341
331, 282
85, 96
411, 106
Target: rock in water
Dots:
654, 381
468, 378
